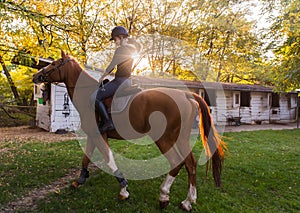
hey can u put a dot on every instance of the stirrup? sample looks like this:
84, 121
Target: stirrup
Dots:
108, 126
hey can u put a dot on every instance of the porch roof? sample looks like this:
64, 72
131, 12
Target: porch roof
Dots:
147, 81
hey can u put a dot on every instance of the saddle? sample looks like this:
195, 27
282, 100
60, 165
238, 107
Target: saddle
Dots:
120, 100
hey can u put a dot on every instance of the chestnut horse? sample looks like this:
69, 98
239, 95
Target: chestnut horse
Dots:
171, 134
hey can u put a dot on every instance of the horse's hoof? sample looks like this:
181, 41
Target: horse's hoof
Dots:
163, 204
75, 185
184, 207
124, 194
122, 197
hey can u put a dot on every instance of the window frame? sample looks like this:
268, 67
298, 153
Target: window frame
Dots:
236, 99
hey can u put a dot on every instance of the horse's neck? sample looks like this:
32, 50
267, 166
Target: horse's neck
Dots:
80, 85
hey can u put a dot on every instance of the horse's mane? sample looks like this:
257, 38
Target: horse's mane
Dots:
82, 68
76, 62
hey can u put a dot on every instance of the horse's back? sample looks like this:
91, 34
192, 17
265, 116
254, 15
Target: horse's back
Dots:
160, 107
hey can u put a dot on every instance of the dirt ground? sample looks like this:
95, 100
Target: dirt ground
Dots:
254, 127
27, 133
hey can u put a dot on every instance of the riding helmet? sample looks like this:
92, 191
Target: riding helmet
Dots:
119, 30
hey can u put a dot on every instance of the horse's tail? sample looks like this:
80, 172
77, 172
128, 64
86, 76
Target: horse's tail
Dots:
211, 140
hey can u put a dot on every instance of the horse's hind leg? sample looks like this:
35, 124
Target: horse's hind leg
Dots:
176, 161
164, 197
84, 174
190, 164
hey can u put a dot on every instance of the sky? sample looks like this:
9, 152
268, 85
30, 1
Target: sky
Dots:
261, 20
258, 16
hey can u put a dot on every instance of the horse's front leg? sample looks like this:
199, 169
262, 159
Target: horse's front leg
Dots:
110, 161
124, 194
84, 174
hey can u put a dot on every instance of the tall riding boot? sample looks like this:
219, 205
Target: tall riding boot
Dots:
106, 122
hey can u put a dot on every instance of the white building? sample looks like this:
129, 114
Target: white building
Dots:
57, 112
229, 103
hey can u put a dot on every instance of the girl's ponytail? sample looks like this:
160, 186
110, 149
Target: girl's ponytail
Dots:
137, 45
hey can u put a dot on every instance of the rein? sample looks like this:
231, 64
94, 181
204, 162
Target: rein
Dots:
45, 75
63, 86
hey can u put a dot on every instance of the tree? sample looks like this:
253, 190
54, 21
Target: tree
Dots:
285, 37
28, 27
211, 40
10, 81
225, 39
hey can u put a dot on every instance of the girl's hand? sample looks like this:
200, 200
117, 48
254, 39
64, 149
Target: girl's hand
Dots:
102, 77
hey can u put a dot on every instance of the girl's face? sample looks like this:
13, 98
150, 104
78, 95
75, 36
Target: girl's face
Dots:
117, 40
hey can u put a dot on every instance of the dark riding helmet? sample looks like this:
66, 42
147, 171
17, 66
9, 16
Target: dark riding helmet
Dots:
119, 30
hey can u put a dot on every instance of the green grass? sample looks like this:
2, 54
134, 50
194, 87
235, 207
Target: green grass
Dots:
26, 165
261, 174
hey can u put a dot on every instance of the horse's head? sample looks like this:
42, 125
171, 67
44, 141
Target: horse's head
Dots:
54, 72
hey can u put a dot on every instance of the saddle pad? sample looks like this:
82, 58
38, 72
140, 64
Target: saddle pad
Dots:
119, 103
130, 90
122, 98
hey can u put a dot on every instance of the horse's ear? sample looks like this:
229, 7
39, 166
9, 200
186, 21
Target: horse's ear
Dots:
63, 54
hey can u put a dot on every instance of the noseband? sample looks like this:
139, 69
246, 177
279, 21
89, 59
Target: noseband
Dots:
45, 75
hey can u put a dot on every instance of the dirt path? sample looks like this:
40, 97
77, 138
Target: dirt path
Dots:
28, 201
25, 133
255, 127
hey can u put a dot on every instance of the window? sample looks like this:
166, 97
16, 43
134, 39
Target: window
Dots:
293, 101
275, 100
210, 97
37, 90
269, 100
245, 99
201, 93
236, 99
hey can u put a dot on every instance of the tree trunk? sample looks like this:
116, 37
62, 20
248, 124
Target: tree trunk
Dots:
10, 81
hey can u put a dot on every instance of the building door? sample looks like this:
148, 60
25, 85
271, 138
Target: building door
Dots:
274, 101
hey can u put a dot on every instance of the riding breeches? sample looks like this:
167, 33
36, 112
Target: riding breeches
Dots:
110, 88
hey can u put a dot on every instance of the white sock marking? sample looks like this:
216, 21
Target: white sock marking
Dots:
191, 198
192, 195
111, 162
124, 192
165, 188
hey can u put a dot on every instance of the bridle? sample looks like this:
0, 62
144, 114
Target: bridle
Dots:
45, 75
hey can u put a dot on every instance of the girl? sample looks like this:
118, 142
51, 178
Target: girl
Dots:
123, 59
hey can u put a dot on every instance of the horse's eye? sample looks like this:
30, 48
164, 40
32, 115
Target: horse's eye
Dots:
53, 63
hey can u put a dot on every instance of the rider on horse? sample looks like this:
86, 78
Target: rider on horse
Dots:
123, 59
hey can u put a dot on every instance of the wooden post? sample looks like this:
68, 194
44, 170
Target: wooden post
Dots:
298, 105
